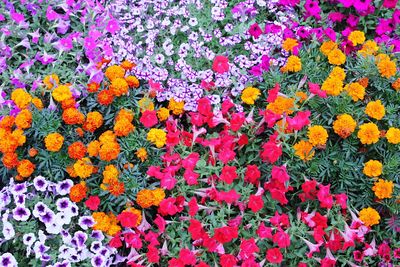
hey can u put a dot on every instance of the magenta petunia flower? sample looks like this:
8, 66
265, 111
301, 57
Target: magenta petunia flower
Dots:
255, 30
89, 43
390, 3
112, 26
51, 14
384, 26
17, 17
347, 3
362, 5
313, 9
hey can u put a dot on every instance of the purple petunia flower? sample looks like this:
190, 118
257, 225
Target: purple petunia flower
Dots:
40, 183
28, 239
40, 209
8, 260
47, 217
63, 204
19, 189
86, 221
98, 260
21, 213
96, 234
63, 187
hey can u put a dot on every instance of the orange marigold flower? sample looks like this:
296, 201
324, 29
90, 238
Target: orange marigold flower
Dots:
83, 168
293, 64
327, 47
110, 174
18, 134
62, 93
393, 135
157, 137
8, 144
119, 87
51, 80
375, 110
7, 122
317, 135
93, 87
102, 221
158, 196
141, 153
132, 81
364, 82
144, 198
344, 125
37, 103
332, 86
302, 96
145, 104
116, 188
163, 114
114, 72
78, 192
71, 171
304, 150
79, 131
387, 68
77, 150
281, 105
368, 133
94, 120
24, 119
93, 148
338, 73
127, 65
355, 90
10, 160
25, 168
125, 114
73, 116
105, 97
68, 103
54, 142
289, 44
356, 37
369, 216
123, 127
369, 48
373, 168
21, 98
396, 85
383, 189
109, 151
32, 152
107, 136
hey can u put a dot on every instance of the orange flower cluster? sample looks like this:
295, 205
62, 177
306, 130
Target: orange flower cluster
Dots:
111, 182
147, 198
123, 123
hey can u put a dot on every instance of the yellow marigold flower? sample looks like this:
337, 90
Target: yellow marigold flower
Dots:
369, 48
355, 90
38, 103
250, 95
123, 127
110, 174
327, 47
107, 137
119, 87
18, 134
396, 85
61, 93
383, 189
176, 107
132, 81
336, 57
93, 148
54, 142
373, 168
387, 68
356, 37
375, 110
102, 221
24, 119
281, 105
157, 137
144, 198
93, 121
51, 81
381, 57
338, 73
83, 168
344, 125
317, 135
21, 98
293, 64
114, 72
369, 216
393, 135
332, 86
145, 104
163, 114
289, 44
158, 196
304, 150
368, 133
141, 153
